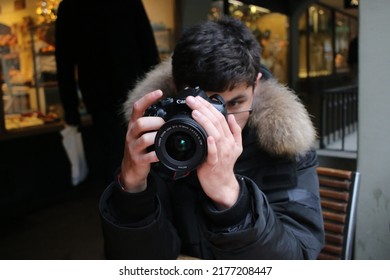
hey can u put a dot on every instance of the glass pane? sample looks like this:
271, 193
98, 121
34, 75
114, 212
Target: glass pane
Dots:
342, 39
28, 71
302, 26
353, 50
320, 41
271, 30
216, 10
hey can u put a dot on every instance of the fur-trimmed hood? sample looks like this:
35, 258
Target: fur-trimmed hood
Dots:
281, 121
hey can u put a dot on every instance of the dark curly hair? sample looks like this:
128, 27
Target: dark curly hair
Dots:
216, 56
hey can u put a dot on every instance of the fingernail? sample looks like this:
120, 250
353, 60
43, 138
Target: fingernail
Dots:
190, 100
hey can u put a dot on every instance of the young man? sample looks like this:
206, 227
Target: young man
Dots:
255, 196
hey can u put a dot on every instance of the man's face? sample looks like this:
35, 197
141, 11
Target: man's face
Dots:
239, 101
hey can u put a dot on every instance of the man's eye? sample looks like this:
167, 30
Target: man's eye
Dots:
233, 104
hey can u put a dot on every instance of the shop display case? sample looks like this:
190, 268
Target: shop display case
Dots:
324, 37
30, 98
45, 70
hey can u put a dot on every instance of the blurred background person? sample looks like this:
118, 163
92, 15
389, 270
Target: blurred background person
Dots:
102, 49
353, 58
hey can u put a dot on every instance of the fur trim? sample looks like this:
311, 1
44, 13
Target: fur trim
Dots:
158, 78
281, 121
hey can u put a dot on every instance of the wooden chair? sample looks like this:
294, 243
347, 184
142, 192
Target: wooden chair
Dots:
338, 191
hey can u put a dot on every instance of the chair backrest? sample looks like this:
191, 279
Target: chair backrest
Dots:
338, 192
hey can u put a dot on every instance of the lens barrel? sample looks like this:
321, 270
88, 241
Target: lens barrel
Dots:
181, 144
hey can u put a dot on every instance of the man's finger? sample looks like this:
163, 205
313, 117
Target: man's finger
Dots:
142, 104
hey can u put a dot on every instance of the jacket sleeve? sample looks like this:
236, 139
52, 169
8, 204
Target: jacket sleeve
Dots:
130, 219
285, 223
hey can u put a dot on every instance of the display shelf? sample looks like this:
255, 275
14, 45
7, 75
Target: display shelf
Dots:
33, 92
40, 129
32, 130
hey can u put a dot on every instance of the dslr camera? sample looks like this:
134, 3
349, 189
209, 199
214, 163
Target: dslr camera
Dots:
181, 143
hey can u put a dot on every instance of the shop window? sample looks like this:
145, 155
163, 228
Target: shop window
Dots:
303, 46
162, 19
341, 42
345, 32
320, 41
216, 9
271, 30
324, 41
29, 93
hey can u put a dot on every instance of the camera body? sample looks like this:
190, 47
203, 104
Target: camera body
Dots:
181, 143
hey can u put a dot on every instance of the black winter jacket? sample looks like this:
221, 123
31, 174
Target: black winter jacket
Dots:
277, 215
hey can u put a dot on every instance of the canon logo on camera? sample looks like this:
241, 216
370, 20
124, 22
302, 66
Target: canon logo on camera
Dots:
180, 101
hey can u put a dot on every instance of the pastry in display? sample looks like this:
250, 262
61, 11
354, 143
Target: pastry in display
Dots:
15, 121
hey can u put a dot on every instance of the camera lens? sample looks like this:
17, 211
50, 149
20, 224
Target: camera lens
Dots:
180, 146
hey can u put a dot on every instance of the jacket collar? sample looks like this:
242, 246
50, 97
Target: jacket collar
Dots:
282, 124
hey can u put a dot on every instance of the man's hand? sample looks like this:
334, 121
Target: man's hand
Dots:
141, 133
224, 142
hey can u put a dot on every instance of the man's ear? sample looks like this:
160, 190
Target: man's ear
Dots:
258, 79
